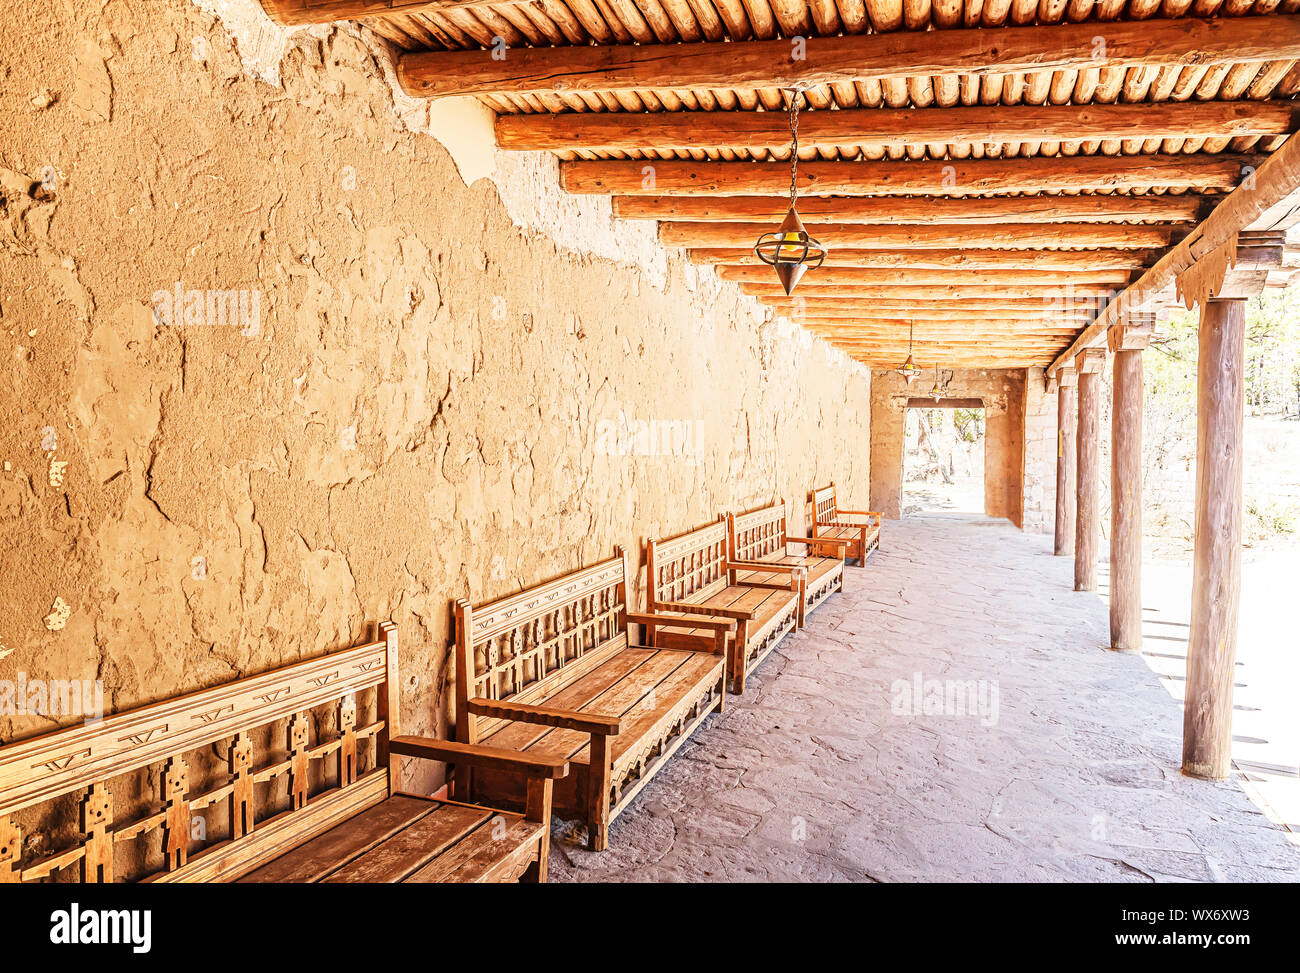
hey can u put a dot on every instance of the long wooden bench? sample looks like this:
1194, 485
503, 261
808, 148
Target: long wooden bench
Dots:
551, 673
693, 574
861, 528
327, 809
760, 536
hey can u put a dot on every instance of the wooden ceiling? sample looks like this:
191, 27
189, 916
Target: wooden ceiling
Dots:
992, 171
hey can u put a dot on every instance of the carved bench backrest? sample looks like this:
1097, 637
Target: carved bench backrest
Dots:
757, 534
526, 646
823, 502
694, 564
206, 830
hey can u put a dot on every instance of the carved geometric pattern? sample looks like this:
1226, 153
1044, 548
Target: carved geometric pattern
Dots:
212, 715
521, 640
143, 737
86, 757
66, 761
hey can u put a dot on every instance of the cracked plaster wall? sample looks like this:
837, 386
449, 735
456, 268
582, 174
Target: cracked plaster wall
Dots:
422, 411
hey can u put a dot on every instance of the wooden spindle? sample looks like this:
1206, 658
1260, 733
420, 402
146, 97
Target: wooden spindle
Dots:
11, 851
176, 820
241, 792
348, 740
299, 762
96, 819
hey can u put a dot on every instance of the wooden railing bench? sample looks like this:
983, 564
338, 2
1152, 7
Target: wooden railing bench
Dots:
333, 808
861, 528
760, 536
551, 673
692, 574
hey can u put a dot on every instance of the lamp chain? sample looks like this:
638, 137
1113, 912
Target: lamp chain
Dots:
795, 95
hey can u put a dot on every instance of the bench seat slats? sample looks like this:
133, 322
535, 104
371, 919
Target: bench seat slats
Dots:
696, 673
487, 853
659, 675
767, 602
818, 568
414, 846
312, 861
581, 695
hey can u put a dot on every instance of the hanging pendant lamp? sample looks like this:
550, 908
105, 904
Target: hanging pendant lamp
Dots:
909, 369
790, 249
936, 393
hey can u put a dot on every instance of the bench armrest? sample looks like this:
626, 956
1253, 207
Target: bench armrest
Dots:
817, 541
861, 513
699, 621
565, 719
685, 606
477, 755
792, 569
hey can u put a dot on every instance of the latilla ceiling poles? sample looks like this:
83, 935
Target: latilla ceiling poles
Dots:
789, 248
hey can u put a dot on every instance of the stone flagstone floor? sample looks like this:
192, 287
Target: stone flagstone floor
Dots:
818, 774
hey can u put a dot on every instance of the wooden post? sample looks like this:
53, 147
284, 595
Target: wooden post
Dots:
1067, 400
1127, 341
1216, 579
1086, 527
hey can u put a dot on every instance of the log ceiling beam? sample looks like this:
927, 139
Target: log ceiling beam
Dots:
893, 319
964, 125
295, 13
854, 57
973, 210
1268, 202
990, 330
958, 177
839, 256
939, 236
1050, 295
1031, 315
838, 276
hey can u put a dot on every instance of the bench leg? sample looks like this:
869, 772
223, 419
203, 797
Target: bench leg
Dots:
803, 602
538, 808
739, 649
720, 648
598, 785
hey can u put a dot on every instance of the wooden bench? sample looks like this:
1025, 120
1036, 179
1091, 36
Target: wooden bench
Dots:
330, 808
551, 673
830, 521
760, 536
692, 573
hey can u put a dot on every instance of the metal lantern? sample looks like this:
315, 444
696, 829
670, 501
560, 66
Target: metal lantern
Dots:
909, 369
936, 393
790, 250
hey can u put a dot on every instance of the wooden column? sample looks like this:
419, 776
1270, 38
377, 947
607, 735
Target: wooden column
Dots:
1216, 579
1086, 526
1067, 399
1127, 341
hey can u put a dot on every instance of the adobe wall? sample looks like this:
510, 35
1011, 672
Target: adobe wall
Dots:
434, 391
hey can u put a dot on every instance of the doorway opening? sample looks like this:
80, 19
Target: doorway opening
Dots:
943, 457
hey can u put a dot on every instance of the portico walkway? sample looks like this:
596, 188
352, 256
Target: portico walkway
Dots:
1068, 771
